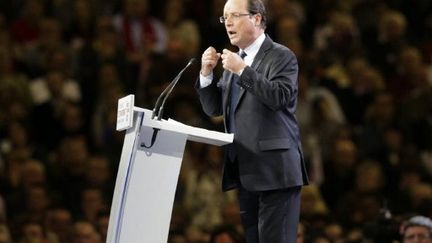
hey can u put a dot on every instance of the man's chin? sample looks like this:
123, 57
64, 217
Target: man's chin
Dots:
234, 43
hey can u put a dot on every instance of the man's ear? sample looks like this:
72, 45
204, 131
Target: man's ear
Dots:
257, 19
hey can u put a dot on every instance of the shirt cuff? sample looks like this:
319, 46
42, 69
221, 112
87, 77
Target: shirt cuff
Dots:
205, 80
241, 71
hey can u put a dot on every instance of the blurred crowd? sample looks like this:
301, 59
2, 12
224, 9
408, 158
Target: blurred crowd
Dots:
365, 113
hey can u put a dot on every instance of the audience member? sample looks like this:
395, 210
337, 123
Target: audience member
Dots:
417, 229
34, 232
181, 28
226, 234
139, 29
85, 232
59, 221
5, 236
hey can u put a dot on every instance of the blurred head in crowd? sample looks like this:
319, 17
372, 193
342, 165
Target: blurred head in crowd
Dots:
419, 193
417, 229
92, 203
51, 33
5, 236
102, 224
33, 9
135, 8
33, 232
369, 177
226, 234
382, 109
84, 232
72, 119
312, 203
32, 173
59, 221
392, 26
73, 155
100, 165
37, 201
344, 154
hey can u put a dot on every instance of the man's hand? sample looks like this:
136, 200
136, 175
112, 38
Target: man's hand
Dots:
232, 62
209, 60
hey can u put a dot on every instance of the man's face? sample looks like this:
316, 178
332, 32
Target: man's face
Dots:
417, 234
241, 26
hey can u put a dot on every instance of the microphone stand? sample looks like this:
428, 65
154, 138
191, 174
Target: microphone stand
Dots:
158, 109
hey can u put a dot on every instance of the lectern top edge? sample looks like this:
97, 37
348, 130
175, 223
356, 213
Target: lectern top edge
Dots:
125, 115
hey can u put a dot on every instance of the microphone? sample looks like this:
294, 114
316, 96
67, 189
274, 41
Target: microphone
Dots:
159, 107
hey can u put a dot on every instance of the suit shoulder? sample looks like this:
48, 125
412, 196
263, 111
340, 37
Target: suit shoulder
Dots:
281, 48
281, 52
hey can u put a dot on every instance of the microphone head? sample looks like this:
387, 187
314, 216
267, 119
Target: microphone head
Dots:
192, 60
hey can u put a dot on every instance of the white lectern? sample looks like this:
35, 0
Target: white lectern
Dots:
148, 172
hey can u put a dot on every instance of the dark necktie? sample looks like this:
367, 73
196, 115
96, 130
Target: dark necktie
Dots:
234, 96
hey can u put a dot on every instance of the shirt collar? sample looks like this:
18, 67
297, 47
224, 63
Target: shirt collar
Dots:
253, 49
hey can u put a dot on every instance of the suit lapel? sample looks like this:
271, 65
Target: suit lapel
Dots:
267, 44
259, 57
226, 94
229, 78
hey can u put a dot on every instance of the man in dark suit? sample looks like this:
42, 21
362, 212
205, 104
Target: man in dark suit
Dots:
257, 95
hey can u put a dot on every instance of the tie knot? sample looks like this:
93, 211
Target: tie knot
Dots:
243, 54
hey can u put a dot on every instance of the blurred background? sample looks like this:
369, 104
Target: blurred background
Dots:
365, 113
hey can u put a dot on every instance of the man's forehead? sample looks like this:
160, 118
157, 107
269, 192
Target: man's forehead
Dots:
235, 5
417, 228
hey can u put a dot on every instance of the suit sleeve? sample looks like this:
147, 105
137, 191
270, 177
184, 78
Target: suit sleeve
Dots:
210, 98
276, 83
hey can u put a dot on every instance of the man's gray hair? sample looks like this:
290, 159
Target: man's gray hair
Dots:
257, 7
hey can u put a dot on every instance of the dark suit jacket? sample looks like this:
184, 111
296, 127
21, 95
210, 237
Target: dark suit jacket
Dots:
267, 138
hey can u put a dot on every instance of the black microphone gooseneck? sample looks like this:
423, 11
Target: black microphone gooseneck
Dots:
159, 107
